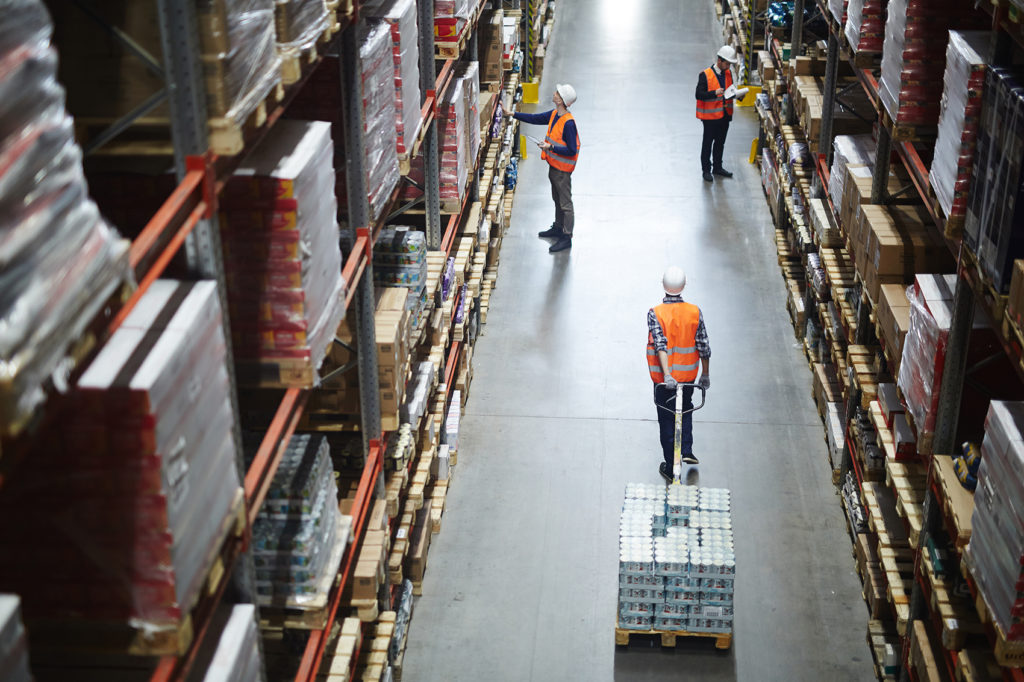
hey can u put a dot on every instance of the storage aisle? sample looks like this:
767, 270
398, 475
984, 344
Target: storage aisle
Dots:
522, 584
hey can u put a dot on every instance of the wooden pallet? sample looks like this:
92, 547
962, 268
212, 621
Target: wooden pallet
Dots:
53, 639
878, 637
670, 638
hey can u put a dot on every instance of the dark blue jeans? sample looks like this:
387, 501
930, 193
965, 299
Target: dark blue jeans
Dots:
665, 399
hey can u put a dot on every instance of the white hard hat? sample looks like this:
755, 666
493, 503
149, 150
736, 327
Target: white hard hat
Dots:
728, 54
674, 280
567, 93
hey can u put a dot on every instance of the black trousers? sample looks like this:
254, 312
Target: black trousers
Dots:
561, 194
714, 144
665, 399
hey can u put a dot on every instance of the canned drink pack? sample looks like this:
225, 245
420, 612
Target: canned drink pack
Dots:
671, 624
642, 594
636, 622
640, 581
636, 608
671, 610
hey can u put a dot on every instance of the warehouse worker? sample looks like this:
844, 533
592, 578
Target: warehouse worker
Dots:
560, 148
676, 338
715, 111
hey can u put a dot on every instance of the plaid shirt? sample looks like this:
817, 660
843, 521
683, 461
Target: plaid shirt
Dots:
661, 343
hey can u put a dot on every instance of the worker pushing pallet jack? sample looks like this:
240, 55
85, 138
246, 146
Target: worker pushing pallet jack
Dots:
677, 349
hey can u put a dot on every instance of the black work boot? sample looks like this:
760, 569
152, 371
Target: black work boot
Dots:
564, 242
553, 232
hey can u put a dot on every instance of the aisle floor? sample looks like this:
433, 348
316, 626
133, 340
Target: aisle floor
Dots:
521, 583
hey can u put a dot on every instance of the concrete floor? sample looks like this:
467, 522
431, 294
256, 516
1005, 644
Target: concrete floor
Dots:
522, 581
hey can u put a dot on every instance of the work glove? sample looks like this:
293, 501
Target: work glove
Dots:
705, 381
670, 382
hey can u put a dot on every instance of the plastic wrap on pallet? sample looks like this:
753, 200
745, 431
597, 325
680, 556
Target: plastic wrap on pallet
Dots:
239, 54
285, 288
838, 10
924, 349
959, 117
469, 74
995, 212
59, 260
916, 32
400, 15
136, 490
381, 165
299, 23
865, 25
850, 150
452, 141
995, 553
237, 653
299, 533
13, 640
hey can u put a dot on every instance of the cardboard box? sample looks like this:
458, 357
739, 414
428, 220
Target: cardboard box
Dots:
1015, 304
416, 562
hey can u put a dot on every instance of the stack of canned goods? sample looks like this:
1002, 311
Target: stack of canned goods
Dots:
676, 561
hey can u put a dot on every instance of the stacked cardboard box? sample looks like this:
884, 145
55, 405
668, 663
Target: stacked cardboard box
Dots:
893, 315
950, 172
492, 47
59, 260
370, 573
855, 151
893, 243
281, 248
13, 642
146, 479
300, 533
995, 553
381, 137
916, 34
677, 567
393, 331
400, 16
865, 25
992, 229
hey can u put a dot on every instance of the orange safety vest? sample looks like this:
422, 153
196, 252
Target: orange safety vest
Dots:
714, 109
679, 322
554, 137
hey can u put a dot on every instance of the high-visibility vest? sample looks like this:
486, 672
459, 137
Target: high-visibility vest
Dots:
679, 322
714, 109
554, 137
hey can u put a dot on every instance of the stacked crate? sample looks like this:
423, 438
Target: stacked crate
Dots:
963, 83
281, 253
